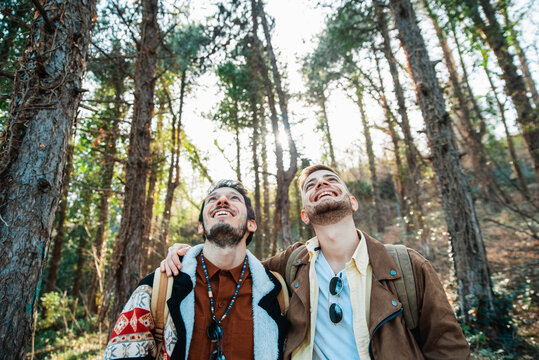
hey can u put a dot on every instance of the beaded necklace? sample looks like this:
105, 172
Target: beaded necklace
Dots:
210, 293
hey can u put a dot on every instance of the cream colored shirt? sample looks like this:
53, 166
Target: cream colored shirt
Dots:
359, 273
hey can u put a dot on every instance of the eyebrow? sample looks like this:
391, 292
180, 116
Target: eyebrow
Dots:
231, 191
326, 176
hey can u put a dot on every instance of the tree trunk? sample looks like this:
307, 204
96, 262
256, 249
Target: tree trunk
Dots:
148, 245
47, 91
284, 177
471, 96
174, 170
402, 205
515, 87
256, 168
327, 133
415, 207
510, 144
83, 240
472, 138
528, 79
266, 213
125, 271
56, 255
238, 152
372, 161
112, 134
476, 295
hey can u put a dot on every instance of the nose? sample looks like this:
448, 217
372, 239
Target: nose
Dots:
320, 183
222, 201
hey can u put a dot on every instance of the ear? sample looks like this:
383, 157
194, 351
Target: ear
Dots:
354, 202
304, 217
200, 228
251, 226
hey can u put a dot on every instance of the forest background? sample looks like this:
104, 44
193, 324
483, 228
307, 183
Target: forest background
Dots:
116, 116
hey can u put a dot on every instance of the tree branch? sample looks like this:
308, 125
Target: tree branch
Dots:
48, 25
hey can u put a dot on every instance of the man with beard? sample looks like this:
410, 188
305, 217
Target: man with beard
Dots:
223, 303
344, 302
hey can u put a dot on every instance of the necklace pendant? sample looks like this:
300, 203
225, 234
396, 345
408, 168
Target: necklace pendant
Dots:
214, 331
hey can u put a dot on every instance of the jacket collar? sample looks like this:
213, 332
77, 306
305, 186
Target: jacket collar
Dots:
381, 262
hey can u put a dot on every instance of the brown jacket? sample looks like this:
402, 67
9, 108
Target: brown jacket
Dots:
439, 335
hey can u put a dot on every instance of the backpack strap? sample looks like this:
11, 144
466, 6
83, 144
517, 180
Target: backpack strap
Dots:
291, 270
405, 285
161, 291
283, 298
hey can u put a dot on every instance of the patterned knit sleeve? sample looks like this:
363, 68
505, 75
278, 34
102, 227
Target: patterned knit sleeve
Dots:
132, 337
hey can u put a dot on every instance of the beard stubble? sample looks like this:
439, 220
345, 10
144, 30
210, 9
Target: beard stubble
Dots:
329, 211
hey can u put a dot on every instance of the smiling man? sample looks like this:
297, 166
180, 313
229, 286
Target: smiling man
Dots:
344, 303
223, 302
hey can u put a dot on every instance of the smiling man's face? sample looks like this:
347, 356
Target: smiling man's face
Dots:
225, 217
326, 199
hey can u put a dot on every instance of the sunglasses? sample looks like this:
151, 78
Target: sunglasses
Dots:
335, 311
215, 333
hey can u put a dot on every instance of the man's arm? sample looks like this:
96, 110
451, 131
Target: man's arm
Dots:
132, 336
278, 262
440, 335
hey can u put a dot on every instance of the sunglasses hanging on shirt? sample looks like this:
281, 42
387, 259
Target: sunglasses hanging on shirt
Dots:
335, 288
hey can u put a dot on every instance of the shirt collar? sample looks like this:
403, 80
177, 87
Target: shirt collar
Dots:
213, 270
360, 257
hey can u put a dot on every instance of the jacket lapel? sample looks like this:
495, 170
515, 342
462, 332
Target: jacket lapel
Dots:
182, 303
266, 313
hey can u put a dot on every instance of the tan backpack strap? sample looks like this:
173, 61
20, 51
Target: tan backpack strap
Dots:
283, 298
405, 285
291, 270
161, 291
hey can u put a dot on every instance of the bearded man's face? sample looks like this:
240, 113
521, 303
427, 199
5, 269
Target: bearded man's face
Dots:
326, 199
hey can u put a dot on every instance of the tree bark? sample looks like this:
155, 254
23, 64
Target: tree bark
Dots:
476, 295
56, 255
47, 91
125, 270
284, 177
515, 87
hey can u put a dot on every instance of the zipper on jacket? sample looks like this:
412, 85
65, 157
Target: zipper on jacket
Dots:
390, 317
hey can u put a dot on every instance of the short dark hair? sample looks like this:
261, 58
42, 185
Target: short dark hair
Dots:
310, 169
238, 186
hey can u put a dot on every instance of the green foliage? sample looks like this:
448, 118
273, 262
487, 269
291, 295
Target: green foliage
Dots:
63, 331
57, 309
360, 188
186, 45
